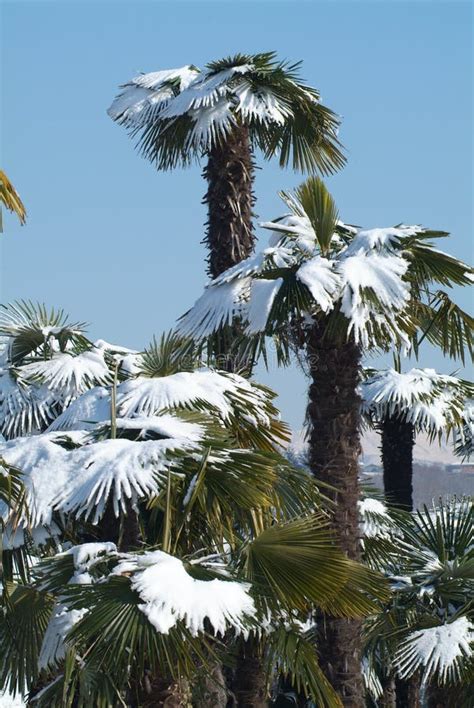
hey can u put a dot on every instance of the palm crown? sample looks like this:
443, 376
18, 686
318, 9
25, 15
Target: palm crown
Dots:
433, 403
372, 285
180, 114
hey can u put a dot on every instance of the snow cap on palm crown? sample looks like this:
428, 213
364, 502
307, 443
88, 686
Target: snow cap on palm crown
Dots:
364, 279
432, 402
182, 113
315, 265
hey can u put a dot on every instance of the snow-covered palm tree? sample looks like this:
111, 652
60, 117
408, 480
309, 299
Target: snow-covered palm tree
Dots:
224, 113
427, 631
228, 542
10, 199
335, 291
401, 405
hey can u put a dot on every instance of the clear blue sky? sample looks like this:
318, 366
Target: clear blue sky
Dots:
118, 244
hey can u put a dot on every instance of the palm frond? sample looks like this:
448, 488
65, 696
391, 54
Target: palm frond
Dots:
10, 198
31, 327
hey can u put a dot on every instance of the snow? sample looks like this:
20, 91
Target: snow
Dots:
168, 426
375, 520
171, 595
438, 650
261, 105
83, 413
429, 400
69, 376
53, 648
321, 280
149, 91
218, 306
143, 396
24, 408
122, 469
262, 296
7, 700
381, 239
44, 465
85, 555
382, 275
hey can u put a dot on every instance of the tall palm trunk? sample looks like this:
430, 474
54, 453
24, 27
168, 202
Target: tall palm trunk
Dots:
230, 199
230, 239
334, 446
398, 439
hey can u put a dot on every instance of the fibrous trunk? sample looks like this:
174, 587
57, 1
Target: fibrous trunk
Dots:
229, 198
334, 446
230, 239
398, 439
249, 685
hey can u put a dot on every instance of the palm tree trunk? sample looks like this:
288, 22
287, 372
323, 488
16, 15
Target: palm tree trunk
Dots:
439, 697
230, 199
334, 445
230, 239
250, 685
398, 439
408, 693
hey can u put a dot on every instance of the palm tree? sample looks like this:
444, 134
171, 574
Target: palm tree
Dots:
240, 546
427, 630
401, 405
334, 291
10, 198
235, 106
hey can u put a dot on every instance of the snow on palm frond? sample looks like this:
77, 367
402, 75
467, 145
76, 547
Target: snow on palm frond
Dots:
63, 619
201, 389
24, 408
45, 470
217, 307
53, 648
31, 327
432, 402
375, 520
170, 595
464, 436
181, 113
368, 284
364, 279
440, 652
85, 412
68, 376
124, 470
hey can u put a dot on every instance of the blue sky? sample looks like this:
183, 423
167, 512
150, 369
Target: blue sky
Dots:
117, 244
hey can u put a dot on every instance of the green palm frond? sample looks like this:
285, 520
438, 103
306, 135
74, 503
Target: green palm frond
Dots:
29, 327
295, 655
24, 616
428, 265
319, 206
122, 641
298, 563
168, 355
446, 325
10, 198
